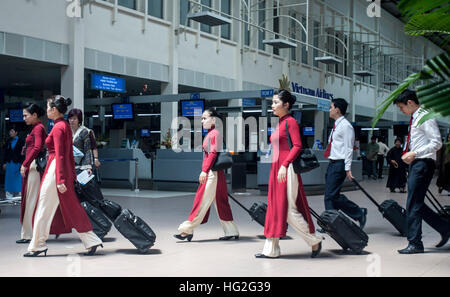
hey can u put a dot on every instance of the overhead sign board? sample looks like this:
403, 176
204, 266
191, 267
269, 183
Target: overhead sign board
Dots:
108, 83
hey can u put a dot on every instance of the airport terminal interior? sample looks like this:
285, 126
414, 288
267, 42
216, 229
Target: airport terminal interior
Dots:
133, 66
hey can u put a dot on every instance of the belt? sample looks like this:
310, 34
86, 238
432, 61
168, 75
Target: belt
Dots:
335, 161
425, 160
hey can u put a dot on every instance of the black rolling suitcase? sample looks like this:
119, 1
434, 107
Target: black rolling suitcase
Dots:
257, 211
443, 211
100, 224
135, 230
342, 229
89, 192
391, 211
110, 208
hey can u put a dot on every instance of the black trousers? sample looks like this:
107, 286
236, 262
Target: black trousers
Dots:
380, 164
334, 200
421, 173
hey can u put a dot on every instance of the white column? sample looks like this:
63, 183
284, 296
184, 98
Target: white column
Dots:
72, 76
169, 110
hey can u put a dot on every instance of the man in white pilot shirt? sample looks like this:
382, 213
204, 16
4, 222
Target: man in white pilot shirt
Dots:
420, 153
340, 154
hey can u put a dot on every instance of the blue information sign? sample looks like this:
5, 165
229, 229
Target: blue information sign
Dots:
248, 102
267, 93
192, 108
16, 115
308, 131
323, 105
108, 83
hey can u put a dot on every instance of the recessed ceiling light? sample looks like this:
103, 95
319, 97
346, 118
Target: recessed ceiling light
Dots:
21, 84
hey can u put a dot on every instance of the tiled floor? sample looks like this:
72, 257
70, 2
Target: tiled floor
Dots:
207, 256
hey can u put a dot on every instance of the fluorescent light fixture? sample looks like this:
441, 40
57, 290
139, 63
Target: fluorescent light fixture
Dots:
370, 129
363, 73
328, 60
149, 114
391, 83
209, 18
280, 43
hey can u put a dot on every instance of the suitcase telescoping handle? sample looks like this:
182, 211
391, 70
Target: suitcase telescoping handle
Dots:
365, 192
437, 201
316, 215
234, 199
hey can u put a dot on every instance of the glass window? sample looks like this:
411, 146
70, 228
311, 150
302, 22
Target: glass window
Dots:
246, 26
276, 28
185, 6
262, 18
294, 26
316, 43
203, 27
304, 48
128, 3
155, 8
226, 8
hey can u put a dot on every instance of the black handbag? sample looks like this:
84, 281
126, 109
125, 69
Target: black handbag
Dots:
224, 161
306, 161
41, 161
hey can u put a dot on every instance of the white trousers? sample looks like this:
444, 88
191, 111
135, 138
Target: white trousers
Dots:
209, 196
33, 184
46, 208
294, 218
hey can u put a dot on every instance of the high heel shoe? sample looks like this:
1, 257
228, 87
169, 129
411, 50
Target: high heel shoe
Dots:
92, 250
316, 253
23, 241
35, 254
236, 237
181, 237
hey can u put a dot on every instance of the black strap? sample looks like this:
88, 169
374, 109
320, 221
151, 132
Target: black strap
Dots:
367, 194
288, 136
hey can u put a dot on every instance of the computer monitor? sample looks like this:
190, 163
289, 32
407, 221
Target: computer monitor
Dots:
124, 111
145, 133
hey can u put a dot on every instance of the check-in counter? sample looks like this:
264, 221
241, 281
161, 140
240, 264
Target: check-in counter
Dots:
177, 171
118, 169
314, 180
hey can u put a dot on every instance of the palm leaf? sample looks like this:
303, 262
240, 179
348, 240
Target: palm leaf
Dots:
428, 24
430, 115
411, 8
284, 83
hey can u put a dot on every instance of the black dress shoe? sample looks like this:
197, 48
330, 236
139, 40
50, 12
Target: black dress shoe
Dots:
23, 241
92, 250
236, 237
316, 253
181, 237
35, 254
363, 219
264, 256
411, 249
444, 240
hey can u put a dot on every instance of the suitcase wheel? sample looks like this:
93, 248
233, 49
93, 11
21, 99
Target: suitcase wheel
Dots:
143, 251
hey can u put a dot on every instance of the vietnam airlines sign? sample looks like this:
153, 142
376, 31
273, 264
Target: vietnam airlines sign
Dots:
320, 93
